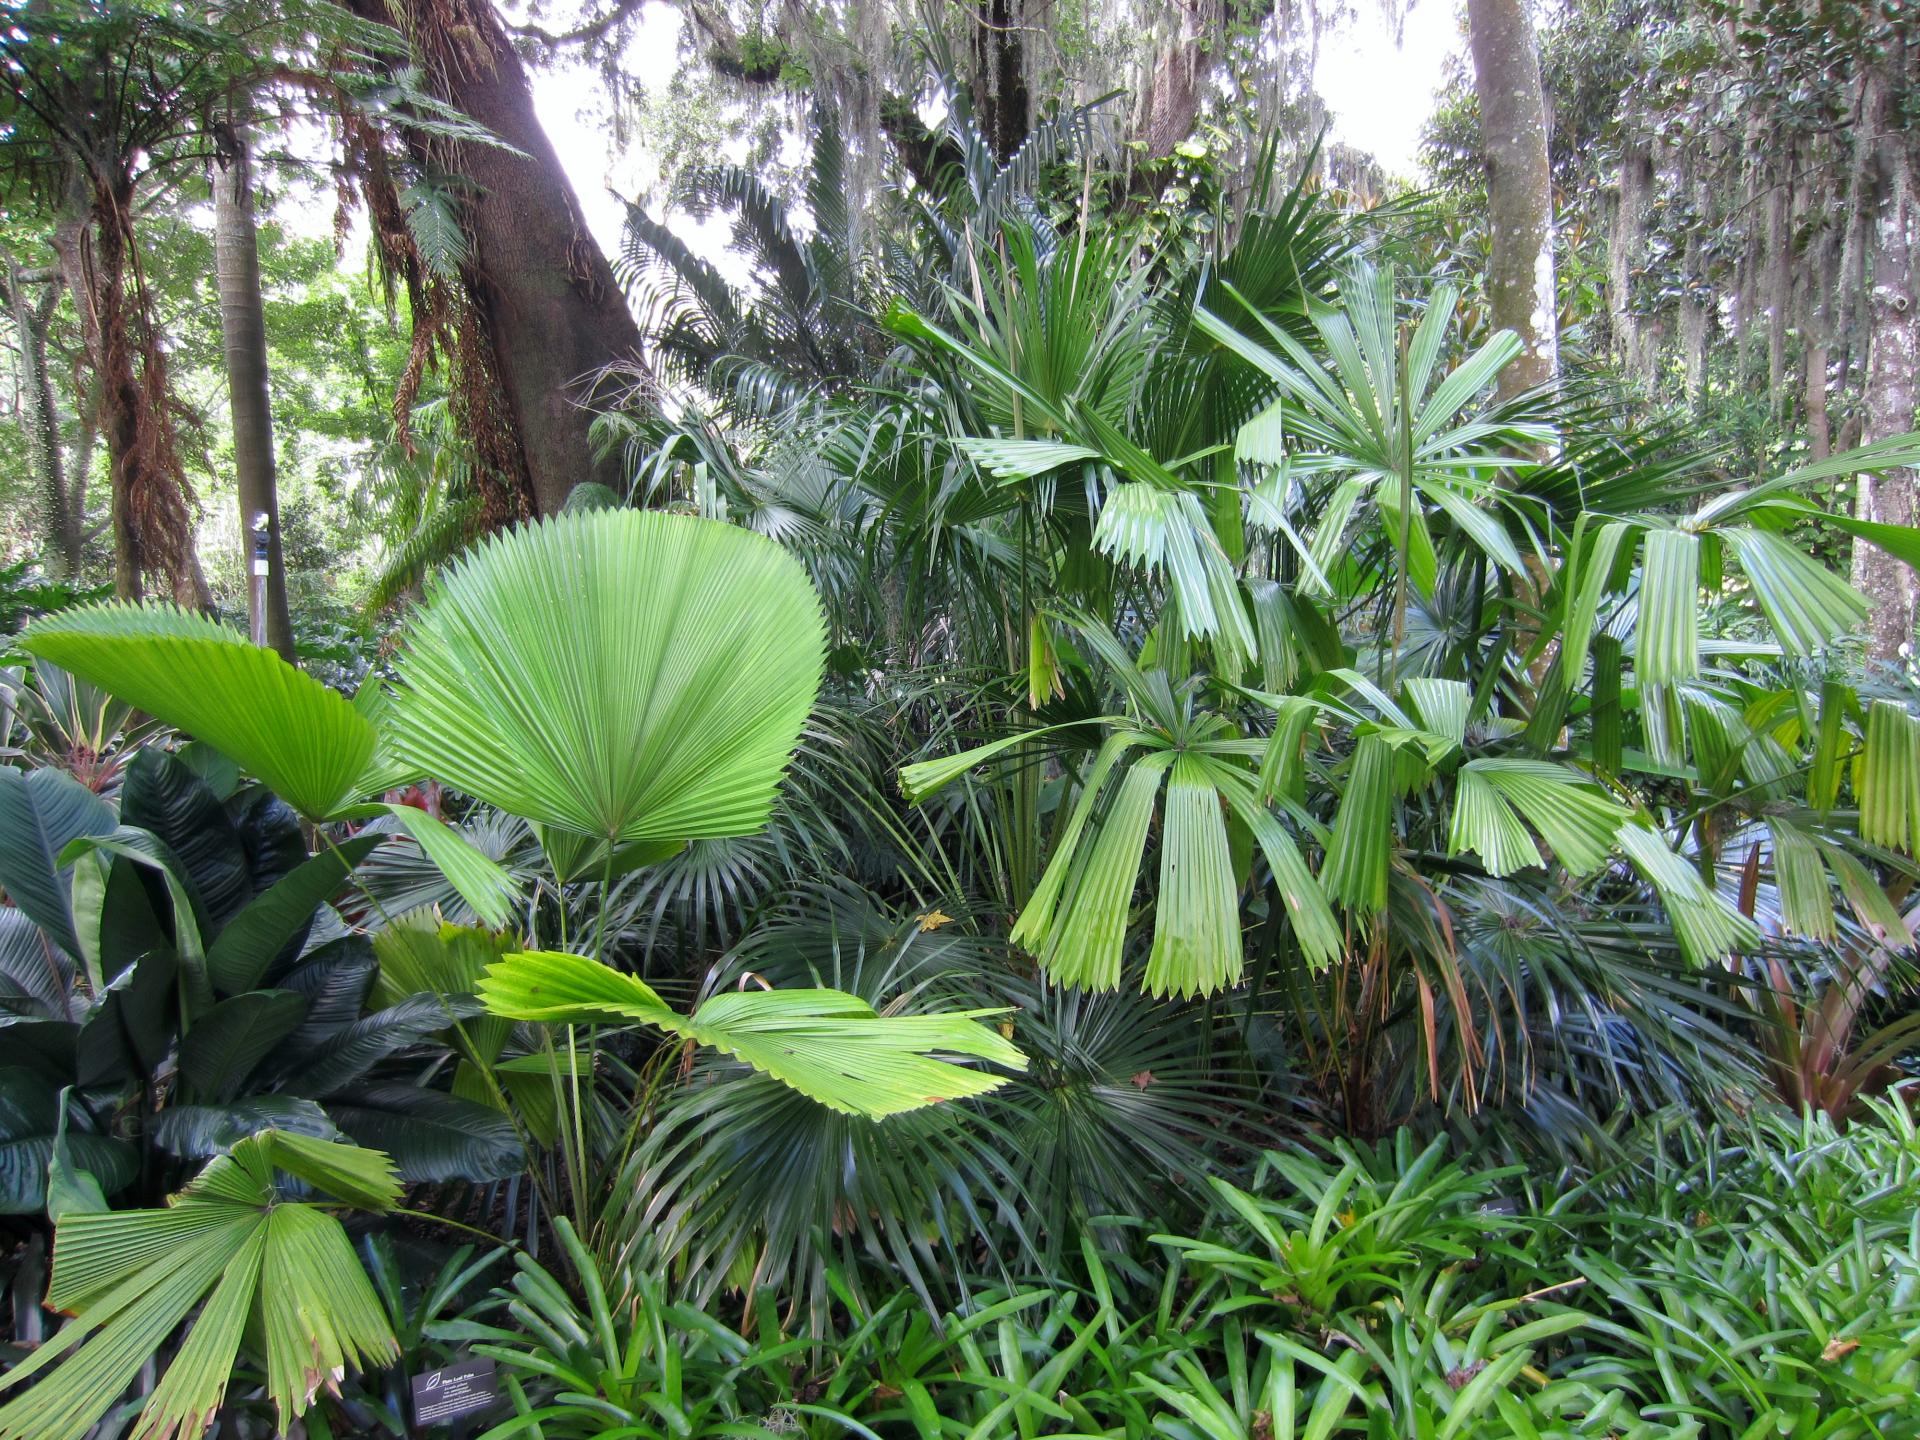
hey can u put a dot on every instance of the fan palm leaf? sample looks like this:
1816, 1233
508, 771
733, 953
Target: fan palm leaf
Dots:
255, 1264
832, 1047
622, 674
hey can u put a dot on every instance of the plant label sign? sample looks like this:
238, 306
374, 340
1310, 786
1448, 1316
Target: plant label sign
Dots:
440, 1396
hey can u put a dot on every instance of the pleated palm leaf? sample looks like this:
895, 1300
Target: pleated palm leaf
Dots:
1192, 768
275, 1274
832, 1047
1395, 435
628, 676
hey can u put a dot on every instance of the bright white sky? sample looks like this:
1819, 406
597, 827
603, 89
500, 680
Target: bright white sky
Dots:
1381, 94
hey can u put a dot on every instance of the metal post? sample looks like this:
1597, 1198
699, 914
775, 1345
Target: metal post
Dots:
257, 578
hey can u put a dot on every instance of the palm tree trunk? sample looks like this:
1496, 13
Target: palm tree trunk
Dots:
243, 327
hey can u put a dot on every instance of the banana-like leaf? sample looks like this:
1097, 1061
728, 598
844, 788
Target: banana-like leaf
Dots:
41, 813
306, 743
628, 675
32, 1124
226, 1043
250, 942
252, 1263
832, 1047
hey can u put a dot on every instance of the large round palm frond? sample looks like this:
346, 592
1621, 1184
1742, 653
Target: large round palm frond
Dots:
617, 673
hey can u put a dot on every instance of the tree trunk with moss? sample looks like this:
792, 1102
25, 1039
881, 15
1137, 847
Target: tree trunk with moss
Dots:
1513, 142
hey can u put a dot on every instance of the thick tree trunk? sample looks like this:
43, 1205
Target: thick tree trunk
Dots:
1889, 497
1513, 140
64, 526
553, 312
243, 329
1000, 93
1626, 251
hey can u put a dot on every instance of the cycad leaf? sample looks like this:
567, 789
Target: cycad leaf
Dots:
832, 1047
629, 675
303, 741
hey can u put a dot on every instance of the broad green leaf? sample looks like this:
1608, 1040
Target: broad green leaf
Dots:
1888, 777
1575, 817
1809, 606
250, 1262
1196, 933
1082, 945
629, 675
303, 741
1706, 925
481, 882
831, 1047
41, 813
1021, 459
927, 777
248, 944
1355, 872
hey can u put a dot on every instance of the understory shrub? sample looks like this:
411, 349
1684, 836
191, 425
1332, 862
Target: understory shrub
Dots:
1755, 1278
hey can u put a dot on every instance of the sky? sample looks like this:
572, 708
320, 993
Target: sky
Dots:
1379, 87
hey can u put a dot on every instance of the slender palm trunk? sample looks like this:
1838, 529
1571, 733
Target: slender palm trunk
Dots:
243, 327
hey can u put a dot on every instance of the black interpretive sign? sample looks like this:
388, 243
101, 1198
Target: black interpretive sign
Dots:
463, 1389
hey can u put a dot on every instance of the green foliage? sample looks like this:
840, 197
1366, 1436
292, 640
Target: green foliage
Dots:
253, 1263
627, 676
